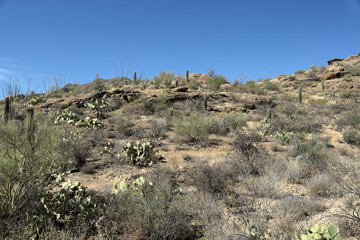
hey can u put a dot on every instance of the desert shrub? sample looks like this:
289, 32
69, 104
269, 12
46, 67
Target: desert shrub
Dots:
311, 151
312, 76
296, 122
265, 186
194, 84
189, 106
251, 160
215, 81
28, 163
218, 126
301, 71
352, 136
271, 86
166, 78
235, 121
193, 128
123, 125
296, 208
349, 118
74, 149
252, 87
160, 212
158, 127
212, 179
321, 184
352, 70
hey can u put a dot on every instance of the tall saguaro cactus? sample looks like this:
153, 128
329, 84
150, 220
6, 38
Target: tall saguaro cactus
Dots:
205, 101
135, 78
30, 129
7, 109
300, 95
187, 75
269, 113
322, 85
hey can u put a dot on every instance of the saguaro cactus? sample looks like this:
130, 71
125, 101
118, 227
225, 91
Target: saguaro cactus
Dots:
205, 101
135, 78
300, 95
30, 129
187, 75
7, 109
322, 85
269, 113
176, 83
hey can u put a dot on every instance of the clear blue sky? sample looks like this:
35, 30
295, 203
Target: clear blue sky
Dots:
262, 38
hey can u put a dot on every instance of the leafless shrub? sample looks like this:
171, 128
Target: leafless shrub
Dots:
213, 179
251, 160
266, 186
321, 184
158, 127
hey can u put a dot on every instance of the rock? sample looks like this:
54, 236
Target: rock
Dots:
333, 75
330, 62
181, 89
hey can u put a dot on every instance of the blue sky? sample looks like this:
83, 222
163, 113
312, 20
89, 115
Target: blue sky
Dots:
77, 39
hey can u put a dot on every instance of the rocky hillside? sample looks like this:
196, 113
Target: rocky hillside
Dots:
187, 157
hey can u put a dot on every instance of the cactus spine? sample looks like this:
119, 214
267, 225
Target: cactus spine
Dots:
30, 129
322, 85
205, 101
300, 95
187, 75
7, 109
135, 76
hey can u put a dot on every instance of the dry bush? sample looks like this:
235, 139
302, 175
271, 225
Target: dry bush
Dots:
265, 186
251, 159
123, 125
158, 127
293, 209
189, 106
321, 184
213, 179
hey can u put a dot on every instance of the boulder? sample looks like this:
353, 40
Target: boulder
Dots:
333, 75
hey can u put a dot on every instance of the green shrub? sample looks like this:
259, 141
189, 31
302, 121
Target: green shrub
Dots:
311, 151
349, 118
271, 86
215, 82
235, 121
193, 128
352, 136
26, 167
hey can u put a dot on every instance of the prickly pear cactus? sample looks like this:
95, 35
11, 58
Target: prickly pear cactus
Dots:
139, 154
